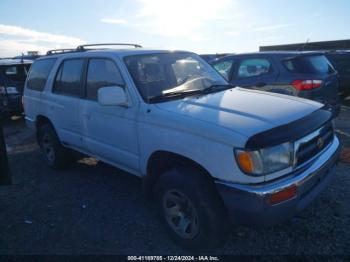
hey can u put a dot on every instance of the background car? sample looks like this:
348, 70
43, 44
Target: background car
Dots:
212, 57
13, 73
341, 62
305, 74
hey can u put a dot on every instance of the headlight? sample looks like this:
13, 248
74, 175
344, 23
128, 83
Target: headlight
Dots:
11, 90
267, 160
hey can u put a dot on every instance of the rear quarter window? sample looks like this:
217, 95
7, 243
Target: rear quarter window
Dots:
313, 64
39, 73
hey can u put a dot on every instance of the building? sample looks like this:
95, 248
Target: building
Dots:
310, 46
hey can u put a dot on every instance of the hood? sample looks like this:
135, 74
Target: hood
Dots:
243, 111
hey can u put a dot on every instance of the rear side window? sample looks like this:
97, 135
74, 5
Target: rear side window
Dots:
316, 64
224, 68
39, 73
101, 73
253, 67
68, 79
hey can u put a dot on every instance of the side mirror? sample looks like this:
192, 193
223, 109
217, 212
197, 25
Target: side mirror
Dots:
112, 96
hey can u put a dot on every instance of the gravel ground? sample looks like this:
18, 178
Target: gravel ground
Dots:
93, 208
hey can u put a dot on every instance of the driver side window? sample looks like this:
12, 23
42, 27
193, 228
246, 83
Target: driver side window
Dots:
101, 73
224, 68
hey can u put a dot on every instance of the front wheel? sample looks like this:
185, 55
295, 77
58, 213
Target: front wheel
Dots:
191, 208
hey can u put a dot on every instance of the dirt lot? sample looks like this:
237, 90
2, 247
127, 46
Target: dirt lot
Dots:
93, 208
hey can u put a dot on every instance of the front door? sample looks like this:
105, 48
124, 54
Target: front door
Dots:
109, 132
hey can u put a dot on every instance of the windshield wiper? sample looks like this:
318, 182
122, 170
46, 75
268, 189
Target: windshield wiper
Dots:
179, 94
171, 95
217, 88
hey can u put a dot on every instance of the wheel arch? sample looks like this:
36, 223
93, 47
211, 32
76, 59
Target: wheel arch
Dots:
39, 122
161, 161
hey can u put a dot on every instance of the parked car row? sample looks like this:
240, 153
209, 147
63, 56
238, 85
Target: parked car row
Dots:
311, 77
208, 152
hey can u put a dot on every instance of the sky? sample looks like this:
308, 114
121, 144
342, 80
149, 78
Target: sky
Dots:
201, 26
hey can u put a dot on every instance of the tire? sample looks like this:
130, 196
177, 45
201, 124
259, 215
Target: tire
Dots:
56, 155
191, 208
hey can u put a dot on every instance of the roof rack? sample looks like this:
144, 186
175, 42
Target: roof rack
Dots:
60, 51
83, 47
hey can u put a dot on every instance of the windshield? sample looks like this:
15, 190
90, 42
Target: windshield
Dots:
157, 75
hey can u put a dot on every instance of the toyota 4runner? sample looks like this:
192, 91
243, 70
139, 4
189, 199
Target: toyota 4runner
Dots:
208, 152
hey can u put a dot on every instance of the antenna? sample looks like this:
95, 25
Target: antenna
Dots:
303, 47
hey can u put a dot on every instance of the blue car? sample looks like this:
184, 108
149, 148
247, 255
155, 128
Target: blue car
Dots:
304, 74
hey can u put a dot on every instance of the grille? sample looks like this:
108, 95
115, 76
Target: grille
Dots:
313, 144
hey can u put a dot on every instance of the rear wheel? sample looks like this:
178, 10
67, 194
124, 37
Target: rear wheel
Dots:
191, 208
56, 155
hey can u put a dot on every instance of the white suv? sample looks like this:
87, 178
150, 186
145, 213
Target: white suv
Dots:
209, 152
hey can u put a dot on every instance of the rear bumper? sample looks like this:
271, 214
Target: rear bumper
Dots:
250, 204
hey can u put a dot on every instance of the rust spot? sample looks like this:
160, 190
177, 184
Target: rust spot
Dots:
345, 155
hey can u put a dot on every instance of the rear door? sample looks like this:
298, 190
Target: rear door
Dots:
63, 102
256, 73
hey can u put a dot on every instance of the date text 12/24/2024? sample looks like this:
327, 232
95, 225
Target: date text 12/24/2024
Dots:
173, 258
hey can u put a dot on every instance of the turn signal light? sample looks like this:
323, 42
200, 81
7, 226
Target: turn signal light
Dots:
283, 195
245, 162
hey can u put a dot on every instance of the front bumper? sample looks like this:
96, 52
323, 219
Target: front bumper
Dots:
250, 204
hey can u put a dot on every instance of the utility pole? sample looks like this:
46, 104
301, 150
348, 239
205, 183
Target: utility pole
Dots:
5, 177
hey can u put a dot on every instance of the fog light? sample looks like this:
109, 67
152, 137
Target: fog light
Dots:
283, 195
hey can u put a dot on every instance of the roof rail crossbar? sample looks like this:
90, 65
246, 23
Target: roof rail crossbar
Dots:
83, 47
59, 51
